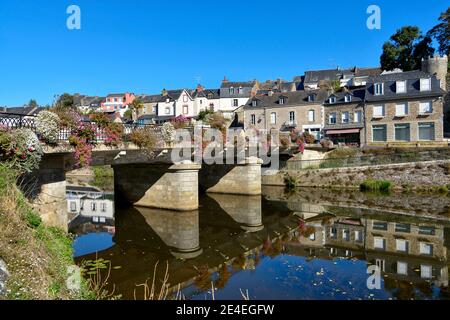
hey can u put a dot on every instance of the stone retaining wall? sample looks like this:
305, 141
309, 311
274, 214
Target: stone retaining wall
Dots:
416, 175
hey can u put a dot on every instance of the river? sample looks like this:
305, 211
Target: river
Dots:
307, 244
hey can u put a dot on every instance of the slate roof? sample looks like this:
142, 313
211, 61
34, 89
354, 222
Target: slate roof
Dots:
246, 84
325, 75
206, 93
357, 96
115, 95
25, 111
412, 79
154, 98
82, 100
365, 72
294, 98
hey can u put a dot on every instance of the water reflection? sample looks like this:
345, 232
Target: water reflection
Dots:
305, 245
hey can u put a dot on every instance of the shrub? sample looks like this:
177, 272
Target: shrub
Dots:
167, 132
327, 144
217, 121
47, 126
69, 118
204, 115
85, 131
309, 138
143, 138
290, 182
101, 119
285, 141
114, 133
24, 152
376, 185
180, 122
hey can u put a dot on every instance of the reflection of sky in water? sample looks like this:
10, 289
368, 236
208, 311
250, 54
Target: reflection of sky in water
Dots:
91, 243
294, 278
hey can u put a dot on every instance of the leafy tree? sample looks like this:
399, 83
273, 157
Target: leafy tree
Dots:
64, 101
405, 49
441, 33
33, 103
136, 106
128, 115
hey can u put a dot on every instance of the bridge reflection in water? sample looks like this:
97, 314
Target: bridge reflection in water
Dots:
230, 235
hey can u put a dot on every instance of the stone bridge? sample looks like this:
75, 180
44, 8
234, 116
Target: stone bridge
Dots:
143, 179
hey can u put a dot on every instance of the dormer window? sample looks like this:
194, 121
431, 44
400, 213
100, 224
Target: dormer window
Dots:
348, 98
167, 100
239, 90
282, 100
425, 84
254, 103
311, 98
379, 89
210, 96
332, 100
400, 87
231, 90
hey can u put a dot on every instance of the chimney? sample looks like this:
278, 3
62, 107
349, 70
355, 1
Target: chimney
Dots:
200, 88
270, 93
225, 80
164, 92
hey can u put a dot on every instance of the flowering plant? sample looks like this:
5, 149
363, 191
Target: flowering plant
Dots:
180, 122
20, 149
167, 132
47, 126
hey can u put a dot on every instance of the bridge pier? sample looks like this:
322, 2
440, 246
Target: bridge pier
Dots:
242, 178
161, 186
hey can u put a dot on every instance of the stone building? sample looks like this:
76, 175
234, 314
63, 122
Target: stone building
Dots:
298, 110
235, 94
344, 117
403, 108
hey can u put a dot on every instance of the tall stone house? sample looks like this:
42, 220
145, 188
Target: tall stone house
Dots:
298, 110
235, 94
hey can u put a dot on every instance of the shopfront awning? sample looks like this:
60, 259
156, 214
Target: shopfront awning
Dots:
343, 131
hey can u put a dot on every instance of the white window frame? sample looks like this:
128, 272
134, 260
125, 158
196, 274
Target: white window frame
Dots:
167, 110
292, 117
419, 127
332, 100
235, 102
358, 236
311, 115
425, 84
332, 115
254, 103
426, 271
348, 98
73, 206
400, 86
426, 248
273, 118
376, 242
281, 101
402, 245
402, 268
379, 125
253, 119
429, 108
346, 234
404, 107
345, 118
357, 116
378, 89
93, 206
383, 111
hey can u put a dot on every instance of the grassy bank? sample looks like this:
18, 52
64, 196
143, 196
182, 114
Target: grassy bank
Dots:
37, 256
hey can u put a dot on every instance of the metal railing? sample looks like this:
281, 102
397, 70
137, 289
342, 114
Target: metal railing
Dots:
17, 121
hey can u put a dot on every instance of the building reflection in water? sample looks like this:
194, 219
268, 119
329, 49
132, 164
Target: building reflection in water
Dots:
229, 234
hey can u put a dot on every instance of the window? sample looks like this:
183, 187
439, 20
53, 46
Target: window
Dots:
73, 206
281, 100
401, 87
93, 206
185, 109
239, 90
403, 227
311, 116
426, 107
379, 133
378, 225
115, 99
426, 131
253, 119
273, 118
345, 117
311, 98
426, 248
358, 236
103, 207
379, 243
402, 132
292, 116
378, 111
425, 84
348, 98
235, 103
312, 237
332, 99
201, 101
154, 109
426, 271
332, 118
378, 89
346, 234
402, 268
167, 110
429, 231
358, 116
254, 103
333, 233
231, 90
402, 245
380, 263
401, 110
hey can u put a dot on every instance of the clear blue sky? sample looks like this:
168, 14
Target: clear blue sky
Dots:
144, 46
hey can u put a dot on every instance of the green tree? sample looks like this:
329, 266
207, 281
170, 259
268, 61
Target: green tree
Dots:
441, 33
136, 106
64, 101
33, 103
405, 49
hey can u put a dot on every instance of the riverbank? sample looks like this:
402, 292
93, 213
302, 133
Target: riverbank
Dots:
429, 176
36, 257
